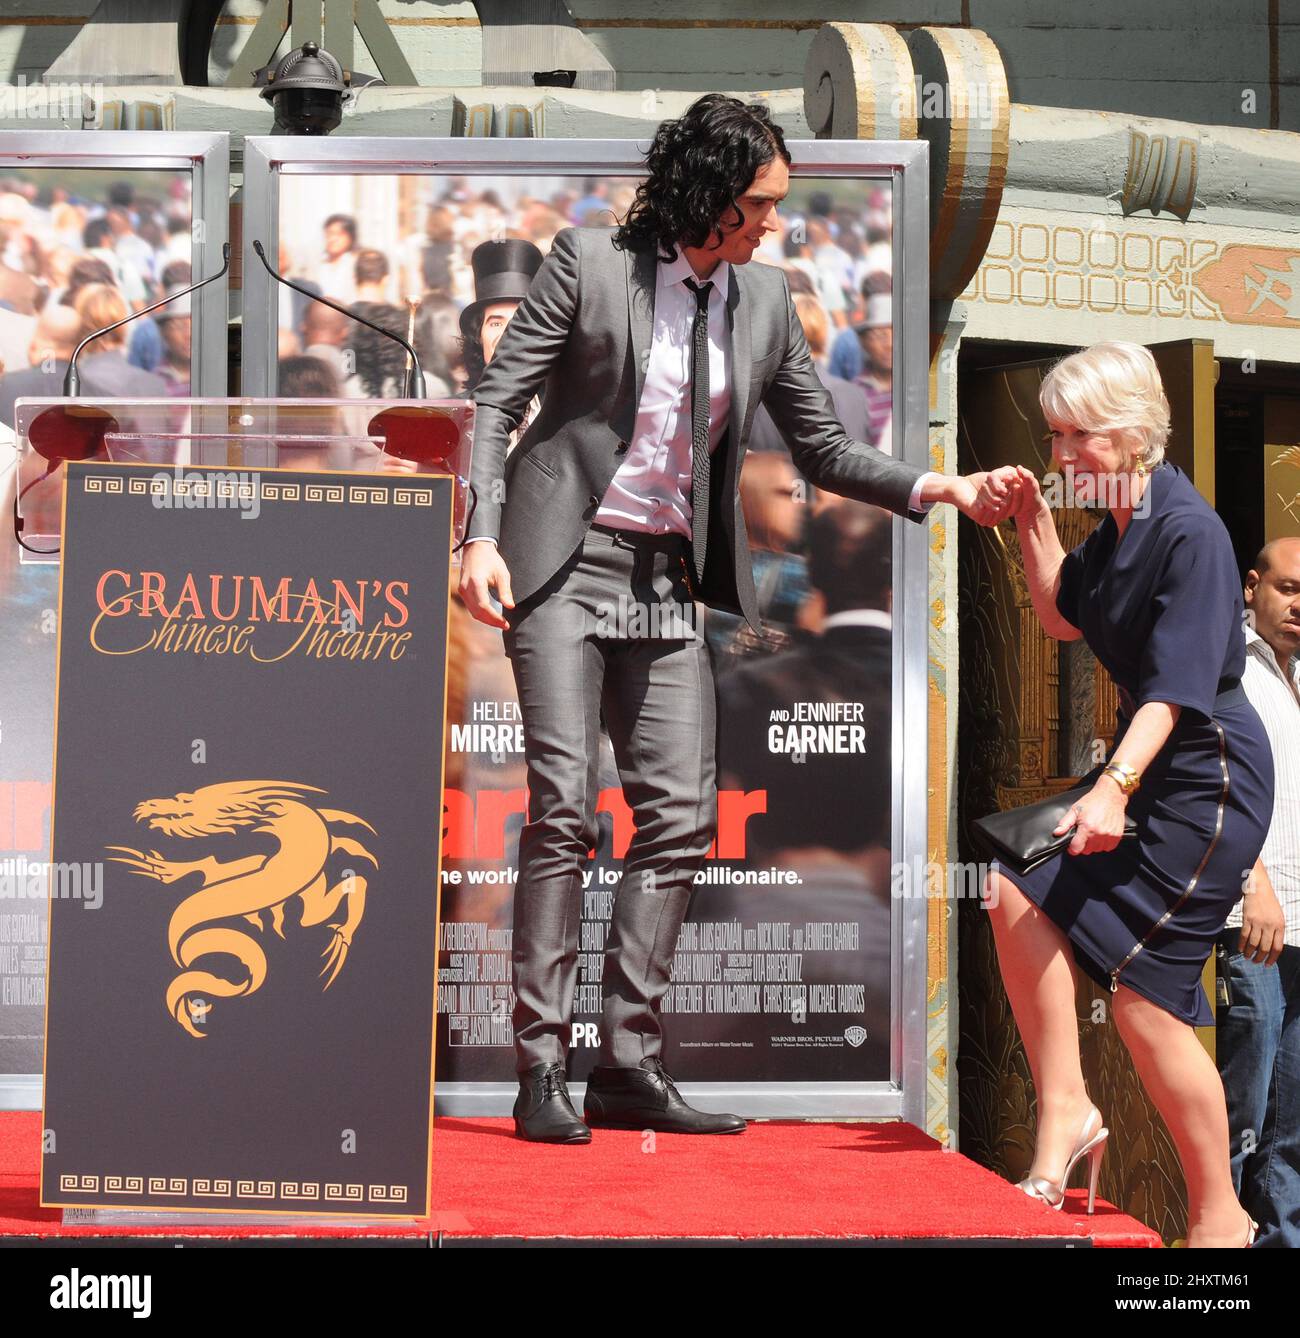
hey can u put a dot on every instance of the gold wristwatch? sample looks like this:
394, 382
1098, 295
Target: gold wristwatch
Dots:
1123, 775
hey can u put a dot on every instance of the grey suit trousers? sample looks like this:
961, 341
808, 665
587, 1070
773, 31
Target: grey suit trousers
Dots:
615, 626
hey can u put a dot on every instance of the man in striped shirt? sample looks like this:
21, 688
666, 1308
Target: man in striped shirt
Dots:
1259, 1022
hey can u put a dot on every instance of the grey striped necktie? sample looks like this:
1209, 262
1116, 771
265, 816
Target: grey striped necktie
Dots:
700, 424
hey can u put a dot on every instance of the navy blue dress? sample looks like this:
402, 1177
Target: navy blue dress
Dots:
1161, 608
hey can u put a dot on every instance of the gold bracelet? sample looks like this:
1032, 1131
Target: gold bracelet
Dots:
1123, 775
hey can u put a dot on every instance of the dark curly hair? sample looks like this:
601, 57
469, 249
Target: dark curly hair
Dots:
475, 366
377, 360
697, 167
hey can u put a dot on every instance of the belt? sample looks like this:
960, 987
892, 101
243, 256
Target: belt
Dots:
642, 538
1233, 695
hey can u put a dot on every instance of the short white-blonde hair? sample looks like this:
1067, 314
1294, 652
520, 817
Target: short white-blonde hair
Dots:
1112, 387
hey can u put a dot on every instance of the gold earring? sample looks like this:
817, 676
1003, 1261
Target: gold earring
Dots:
1141, 469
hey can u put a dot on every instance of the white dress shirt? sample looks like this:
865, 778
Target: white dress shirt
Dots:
1278, 704
651, 489
858, 618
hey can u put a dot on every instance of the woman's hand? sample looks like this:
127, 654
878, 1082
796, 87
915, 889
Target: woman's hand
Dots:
1028, 494
999, 492
986, 497
1097, 819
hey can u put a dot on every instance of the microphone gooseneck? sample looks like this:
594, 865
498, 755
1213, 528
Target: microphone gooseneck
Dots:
388, 421
72, 378
414, 388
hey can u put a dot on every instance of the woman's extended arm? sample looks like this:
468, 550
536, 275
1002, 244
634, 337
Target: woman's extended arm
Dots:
1098, 818
1043, 557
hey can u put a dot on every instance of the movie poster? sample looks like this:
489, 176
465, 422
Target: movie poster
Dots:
783, 968
247, 803
82, 246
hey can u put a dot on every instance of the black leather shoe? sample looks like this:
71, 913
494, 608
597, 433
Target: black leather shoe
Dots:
645, 1098
543, 1111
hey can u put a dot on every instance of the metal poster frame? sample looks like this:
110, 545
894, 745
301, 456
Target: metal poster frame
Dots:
905, 167
207, 156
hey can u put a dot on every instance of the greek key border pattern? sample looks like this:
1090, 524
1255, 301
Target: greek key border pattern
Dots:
1105, 269
218, 1187
247, 489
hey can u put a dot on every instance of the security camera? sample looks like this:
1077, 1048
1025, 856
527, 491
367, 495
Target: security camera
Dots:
308, 90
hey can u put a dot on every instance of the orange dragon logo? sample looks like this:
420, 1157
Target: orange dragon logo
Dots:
252, 886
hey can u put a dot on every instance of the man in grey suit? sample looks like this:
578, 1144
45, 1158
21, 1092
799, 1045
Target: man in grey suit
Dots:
651, 346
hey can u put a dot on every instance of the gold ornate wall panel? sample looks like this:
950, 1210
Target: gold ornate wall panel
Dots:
1087, 276
941, 662
1281, 467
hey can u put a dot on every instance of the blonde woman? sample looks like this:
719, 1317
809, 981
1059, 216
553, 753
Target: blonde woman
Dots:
1155, 592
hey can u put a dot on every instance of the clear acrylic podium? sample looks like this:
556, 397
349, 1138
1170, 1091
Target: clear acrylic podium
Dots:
245, 436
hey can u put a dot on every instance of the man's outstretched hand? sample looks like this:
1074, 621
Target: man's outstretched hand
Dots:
483, 570
987, 497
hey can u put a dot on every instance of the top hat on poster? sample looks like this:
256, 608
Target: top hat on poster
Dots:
503, 269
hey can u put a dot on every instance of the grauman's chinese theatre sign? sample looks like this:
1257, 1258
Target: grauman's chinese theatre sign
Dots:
249, 745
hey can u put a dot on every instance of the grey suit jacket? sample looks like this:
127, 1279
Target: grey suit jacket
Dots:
581, 339
848, 400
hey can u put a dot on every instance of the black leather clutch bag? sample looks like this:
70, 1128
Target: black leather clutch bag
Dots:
1022, 838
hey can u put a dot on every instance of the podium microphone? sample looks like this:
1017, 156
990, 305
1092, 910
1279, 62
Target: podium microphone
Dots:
414, 388
72, 378
420, 433
77, 431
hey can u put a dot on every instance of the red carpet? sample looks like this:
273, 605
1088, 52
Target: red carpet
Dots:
788, 1179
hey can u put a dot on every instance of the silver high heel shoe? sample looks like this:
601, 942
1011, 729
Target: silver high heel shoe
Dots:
1091, 1143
